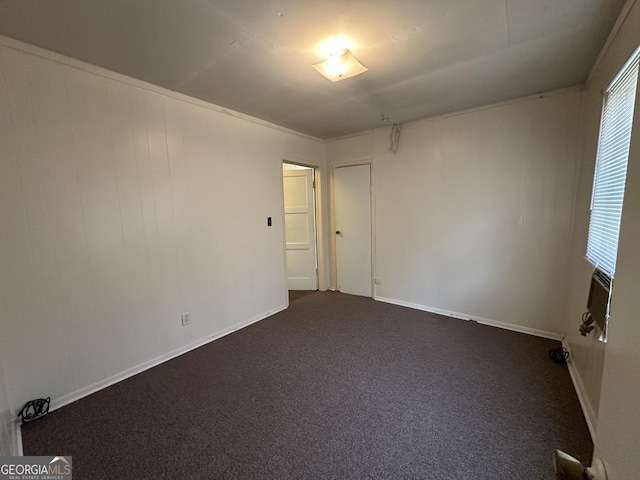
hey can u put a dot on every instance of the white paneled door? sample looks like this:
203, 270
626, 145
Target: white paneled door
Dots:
299, 220
352, 194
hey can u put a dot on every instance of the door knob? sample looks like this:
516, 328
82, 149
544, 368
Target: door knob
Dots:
337, 232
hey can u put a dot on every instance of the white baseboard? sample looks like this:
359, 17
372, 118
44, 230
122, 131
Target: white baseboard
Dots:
464, 316
20, 451
587, 409
118, 377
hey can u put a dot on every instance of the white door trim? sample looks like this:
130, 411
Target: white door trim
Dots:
300, 210
321, 194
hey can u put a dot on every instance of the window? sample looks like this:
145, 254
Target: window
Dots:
611, 167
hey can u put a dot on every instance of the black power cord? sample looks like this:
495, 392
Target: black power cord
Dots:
559, 355
34, 409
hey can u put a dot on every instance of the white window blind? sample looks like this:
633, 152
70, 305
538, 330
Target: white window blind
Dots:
611, 167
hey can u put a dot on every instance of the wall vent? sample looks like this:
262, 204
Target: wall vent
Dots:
598, 302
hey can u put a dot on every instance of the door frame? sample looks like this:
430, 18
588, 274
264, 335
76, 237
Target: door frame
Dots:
322, 270
333, 284
310, 175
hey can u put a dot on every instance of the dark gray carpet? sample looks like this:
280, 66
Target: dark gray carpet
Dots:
298, 294
335, 387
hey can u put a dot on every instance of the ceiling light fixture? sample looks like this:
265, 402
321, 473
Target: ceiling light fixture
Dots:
340, 65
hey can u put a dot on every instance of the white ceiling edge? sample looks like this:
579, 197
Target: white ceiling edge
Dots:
491, 106
29, 49
622, 17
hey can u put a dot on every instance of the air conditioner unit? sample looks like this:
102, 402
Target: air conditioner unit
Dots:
598, 301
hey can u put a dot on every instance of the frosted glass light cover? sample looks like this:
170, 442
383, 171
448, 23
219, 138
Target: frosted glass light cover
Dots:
340, 66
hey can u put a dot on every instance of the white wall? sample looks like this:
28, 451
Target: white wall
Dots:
473, 214
616, 403
122, 207
8, 424
587, 353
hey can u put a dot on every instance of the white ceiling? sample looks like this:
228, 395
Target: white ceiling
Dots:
425, 57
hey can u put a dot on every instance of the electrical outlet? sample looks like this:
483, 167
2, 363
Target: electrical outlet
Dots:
186, 319
377, 281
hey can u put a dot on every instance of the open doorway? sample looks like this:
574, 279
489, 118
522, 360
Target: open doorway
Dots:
300, 229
